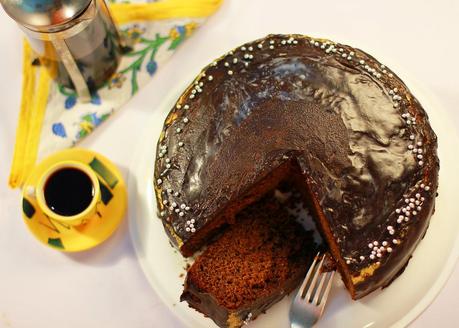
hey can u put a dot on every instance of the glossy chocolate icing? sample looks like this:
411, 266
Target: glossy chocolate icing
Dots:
346, 121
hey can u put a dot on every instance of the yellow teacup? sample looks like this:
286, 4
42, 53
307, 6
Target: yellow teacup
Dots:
68, 192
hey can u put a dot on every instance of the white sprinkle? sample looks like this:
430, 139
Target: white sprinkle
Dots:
411, 200
419, 151
362, 258
174, 204
283, 42
316, 44
193, 230
419, 208
159, 181
311, 42
415, 213
226, 64
397, 211
246, 56
406, 220
379, 255
186, 107
168, 166
427, 188
362, 62
243, 48
407, 200
391, 232
419, 156
182, 206
234, 60
421, 163
180, 144
271, 42
395, 241
185, 120
187, 229
348, 262
372, 257
375, 248
375, 243
271, 47
187, 208
193, 221
410, 147
370, 245
210, 77
412, 137
165, 202
400, 219
178, 106
201, 84
176, 194
260, 46
169, 191
295, 41
391, 75
181, 214
389, 250
178, 130
230, 72
250, 48
161, 155
384, 243
192, 96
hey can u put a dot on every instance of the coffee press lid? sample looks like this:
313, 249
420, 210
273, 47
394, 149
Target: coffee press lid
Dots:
45, 15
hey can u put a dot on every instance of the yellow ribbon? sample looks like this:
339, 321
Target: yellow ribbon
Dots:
35, 97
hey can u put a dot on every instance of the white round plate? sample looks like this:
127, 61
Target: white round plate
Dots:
396, 305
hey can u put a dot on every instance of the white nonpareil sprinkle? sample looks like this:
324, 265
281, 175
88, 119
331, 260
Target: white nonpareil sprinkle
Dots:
271, 47
389, 250
165, 202
174, 204
186, 107
185, 120
181, 213
348, 261
176, 194
362, 258
384, 243
180, 144
187, 208
234, 60
193, 230
372, 257
226, 64
230, 72
178, 130
370, 245
210, 77
159, 181
182, 206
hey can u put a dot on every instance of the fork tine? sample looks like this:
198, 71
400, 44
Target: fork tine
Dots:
323, 277
312, 286
308, 275
323, 300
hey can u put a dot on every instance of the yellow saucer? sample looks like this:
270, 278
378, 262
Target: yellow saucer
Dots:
65, 237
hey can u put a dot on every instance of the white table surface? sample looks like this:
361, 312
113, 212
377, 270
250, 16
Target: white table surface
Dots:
105, 287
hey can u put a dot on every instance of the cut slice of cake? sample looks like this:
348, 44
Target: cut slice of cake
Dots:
253, 265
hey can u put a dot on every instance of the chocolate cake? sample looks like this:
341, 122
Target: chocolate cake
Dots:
254, 264
344, 126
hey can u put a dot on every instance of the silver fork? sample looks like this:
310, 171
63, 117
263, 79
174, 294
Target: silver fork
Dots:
308, 305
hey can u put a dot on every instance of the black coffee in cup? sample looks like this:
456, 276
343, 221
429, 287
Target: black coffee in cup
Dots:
68, 191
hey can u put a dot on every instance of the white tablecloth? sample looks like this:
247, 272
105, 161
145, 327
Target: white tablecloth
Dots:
105, 287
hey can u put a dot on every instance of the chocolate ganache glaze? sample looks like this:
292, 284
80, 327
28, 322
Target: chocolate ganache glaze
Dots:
358, 141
